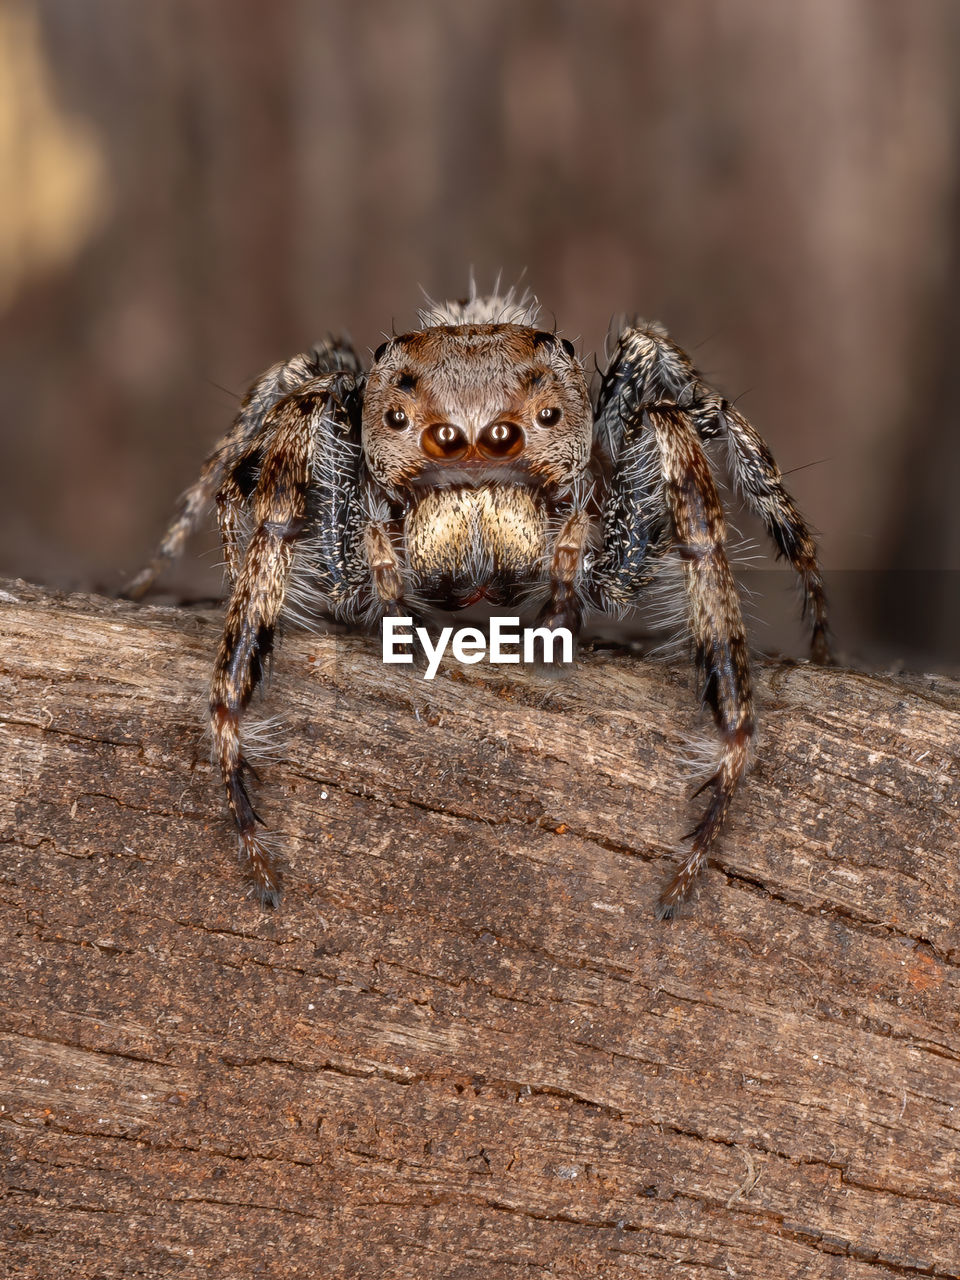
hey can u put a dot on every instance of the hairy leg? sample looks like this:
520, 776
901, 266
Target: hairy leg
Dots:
564, 607
304, 425
649, 368
663, 497
385, 567
758, 479
716, 625
332, 355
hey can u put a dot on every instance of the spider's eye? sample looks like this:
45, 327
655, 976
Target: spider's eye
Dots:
395, 418
549, 417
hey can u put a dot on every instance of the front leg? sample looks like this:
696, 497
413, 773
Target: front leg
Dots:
304, 510
279, 506
716, 626
649, 368
662, 497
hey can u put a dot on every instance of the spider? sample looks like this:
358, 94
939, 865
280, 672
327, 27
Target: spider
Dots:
469, 464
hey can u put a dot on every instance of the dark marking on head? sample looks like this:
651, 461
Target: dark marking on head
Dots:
543, 336
406, 381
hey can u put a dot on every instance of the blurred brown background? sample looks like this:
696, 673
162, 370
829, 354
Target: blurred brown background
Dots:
196, 188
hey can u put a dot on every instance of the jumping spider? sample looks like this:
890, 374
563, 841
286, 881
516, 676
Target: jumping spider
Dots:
469, 463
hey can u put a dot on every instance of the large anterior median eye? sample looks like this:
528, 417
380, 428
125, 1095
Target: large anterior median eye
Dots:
395, 418
500, 440
549, 417
445, 442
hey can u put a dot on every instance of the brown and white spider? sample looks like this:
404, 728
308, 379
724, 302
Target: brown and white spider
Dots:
469, 464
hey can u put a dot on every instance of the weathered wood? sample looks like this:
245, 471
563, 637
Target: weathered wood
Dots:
463, 1046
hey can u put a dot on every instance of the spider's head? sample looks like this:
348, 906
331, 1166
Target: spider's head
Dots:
476, 404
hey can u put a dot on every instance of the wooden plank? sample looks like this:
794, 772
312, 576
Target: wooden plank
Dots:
463, 1046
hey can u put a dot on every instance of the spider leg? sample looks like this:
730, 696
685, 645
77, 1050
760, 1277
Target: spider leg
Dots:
193, 503
758, 480
231, 497
663, 495
564, 607
635, 518
385, 567
649, 367
333, 354
300, 436
716, 625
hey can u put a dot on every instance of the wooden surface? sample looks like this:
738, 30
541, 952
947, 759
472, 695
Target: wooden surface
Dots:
463, 1046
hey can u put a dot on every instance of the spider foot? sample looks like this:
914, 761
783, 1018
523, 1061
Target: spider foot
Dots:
820, 651
555, 640
263, 868
682, 885
139, 585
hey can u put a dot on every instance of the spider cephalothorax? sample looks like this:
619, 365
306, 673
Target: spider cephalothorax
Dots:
473, 404
469, 465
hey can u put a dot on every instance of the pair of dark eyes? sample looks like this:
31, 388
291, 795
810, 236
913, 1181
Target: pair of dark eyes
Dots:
397, 419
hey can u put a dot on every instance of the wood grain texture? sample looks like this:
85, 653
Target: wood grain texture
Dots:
463, 1046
